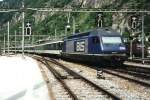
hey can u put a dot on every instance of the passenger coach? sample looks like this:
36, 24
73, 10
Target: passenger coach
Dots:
101, 44
48, 48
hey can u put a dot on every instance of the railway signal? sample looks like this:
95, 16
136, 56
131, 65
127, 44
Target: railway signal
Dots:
99, 19
68, 27
133, 26
28, 29
133, 22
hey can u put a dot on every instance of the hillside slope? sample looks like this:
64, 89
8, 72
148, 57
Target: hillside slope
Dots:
49, 22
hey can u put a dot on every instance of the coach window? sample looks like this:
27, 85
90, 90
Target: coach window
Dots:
95, 40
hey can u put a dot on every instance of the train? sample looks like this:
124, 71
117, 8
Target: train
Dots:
97, 45
49, 48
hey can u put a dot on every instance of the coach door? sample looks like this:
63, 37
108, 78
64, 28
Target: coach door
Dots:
95, 44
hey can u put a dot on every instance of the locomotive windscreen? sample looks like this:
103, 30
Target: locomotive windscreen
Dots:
111, 40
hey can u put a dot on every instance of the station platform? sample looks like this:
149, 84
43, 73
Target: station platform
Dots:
137, 64
21, 79
145, 61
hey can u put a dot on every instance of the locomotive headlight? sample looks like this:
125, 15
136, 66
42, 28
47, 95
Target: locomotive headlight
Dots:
122, 48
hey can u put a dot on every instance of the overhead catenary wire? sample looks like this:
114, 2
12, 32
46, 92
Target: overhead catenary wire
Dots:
77, 10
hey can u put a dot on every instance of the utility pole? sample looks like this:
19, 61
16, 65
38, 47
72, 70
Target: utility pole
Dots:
8, 38
143, 37
23, 15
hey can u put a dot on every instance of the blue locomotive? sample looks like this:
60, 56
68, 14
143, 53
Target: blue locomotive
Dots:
102, 44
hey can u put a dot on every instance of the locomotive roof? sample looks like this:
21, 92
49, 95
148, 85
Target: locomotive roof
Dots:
99, 31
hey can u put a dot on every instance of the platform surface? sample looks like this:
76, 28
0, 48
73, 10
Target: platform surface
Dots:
21, 79
137, 64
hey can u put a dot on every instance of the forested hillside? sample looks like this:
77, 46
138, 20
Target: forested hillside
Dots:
49, 22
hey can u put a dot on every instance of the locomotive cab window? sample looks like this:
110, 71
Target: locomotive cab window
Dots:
111, 40
95, 40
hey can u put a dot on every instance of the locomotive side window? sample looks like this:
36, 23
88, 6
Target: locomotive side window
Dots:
95, 40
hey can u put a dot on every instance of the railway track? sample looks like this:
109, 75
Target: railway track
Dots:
138, 69
59, 78
139, 75
77, 87
134, 77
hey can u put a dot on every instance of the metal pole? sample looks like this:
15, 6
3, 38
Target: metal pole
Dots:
29, 39
32, 39
143, 35
74, 27
55, 33
101, 23
23, 14
38, 39
65, 31
4, 43
131, 45
15, 41
8, 38
68, 17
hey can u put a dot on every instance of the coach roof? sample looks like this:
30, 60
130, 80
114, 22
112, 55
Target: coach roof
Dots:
98, 31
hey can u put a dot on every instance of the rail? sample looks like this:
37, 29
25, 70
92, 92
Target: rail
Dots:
58, 77
114, 97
